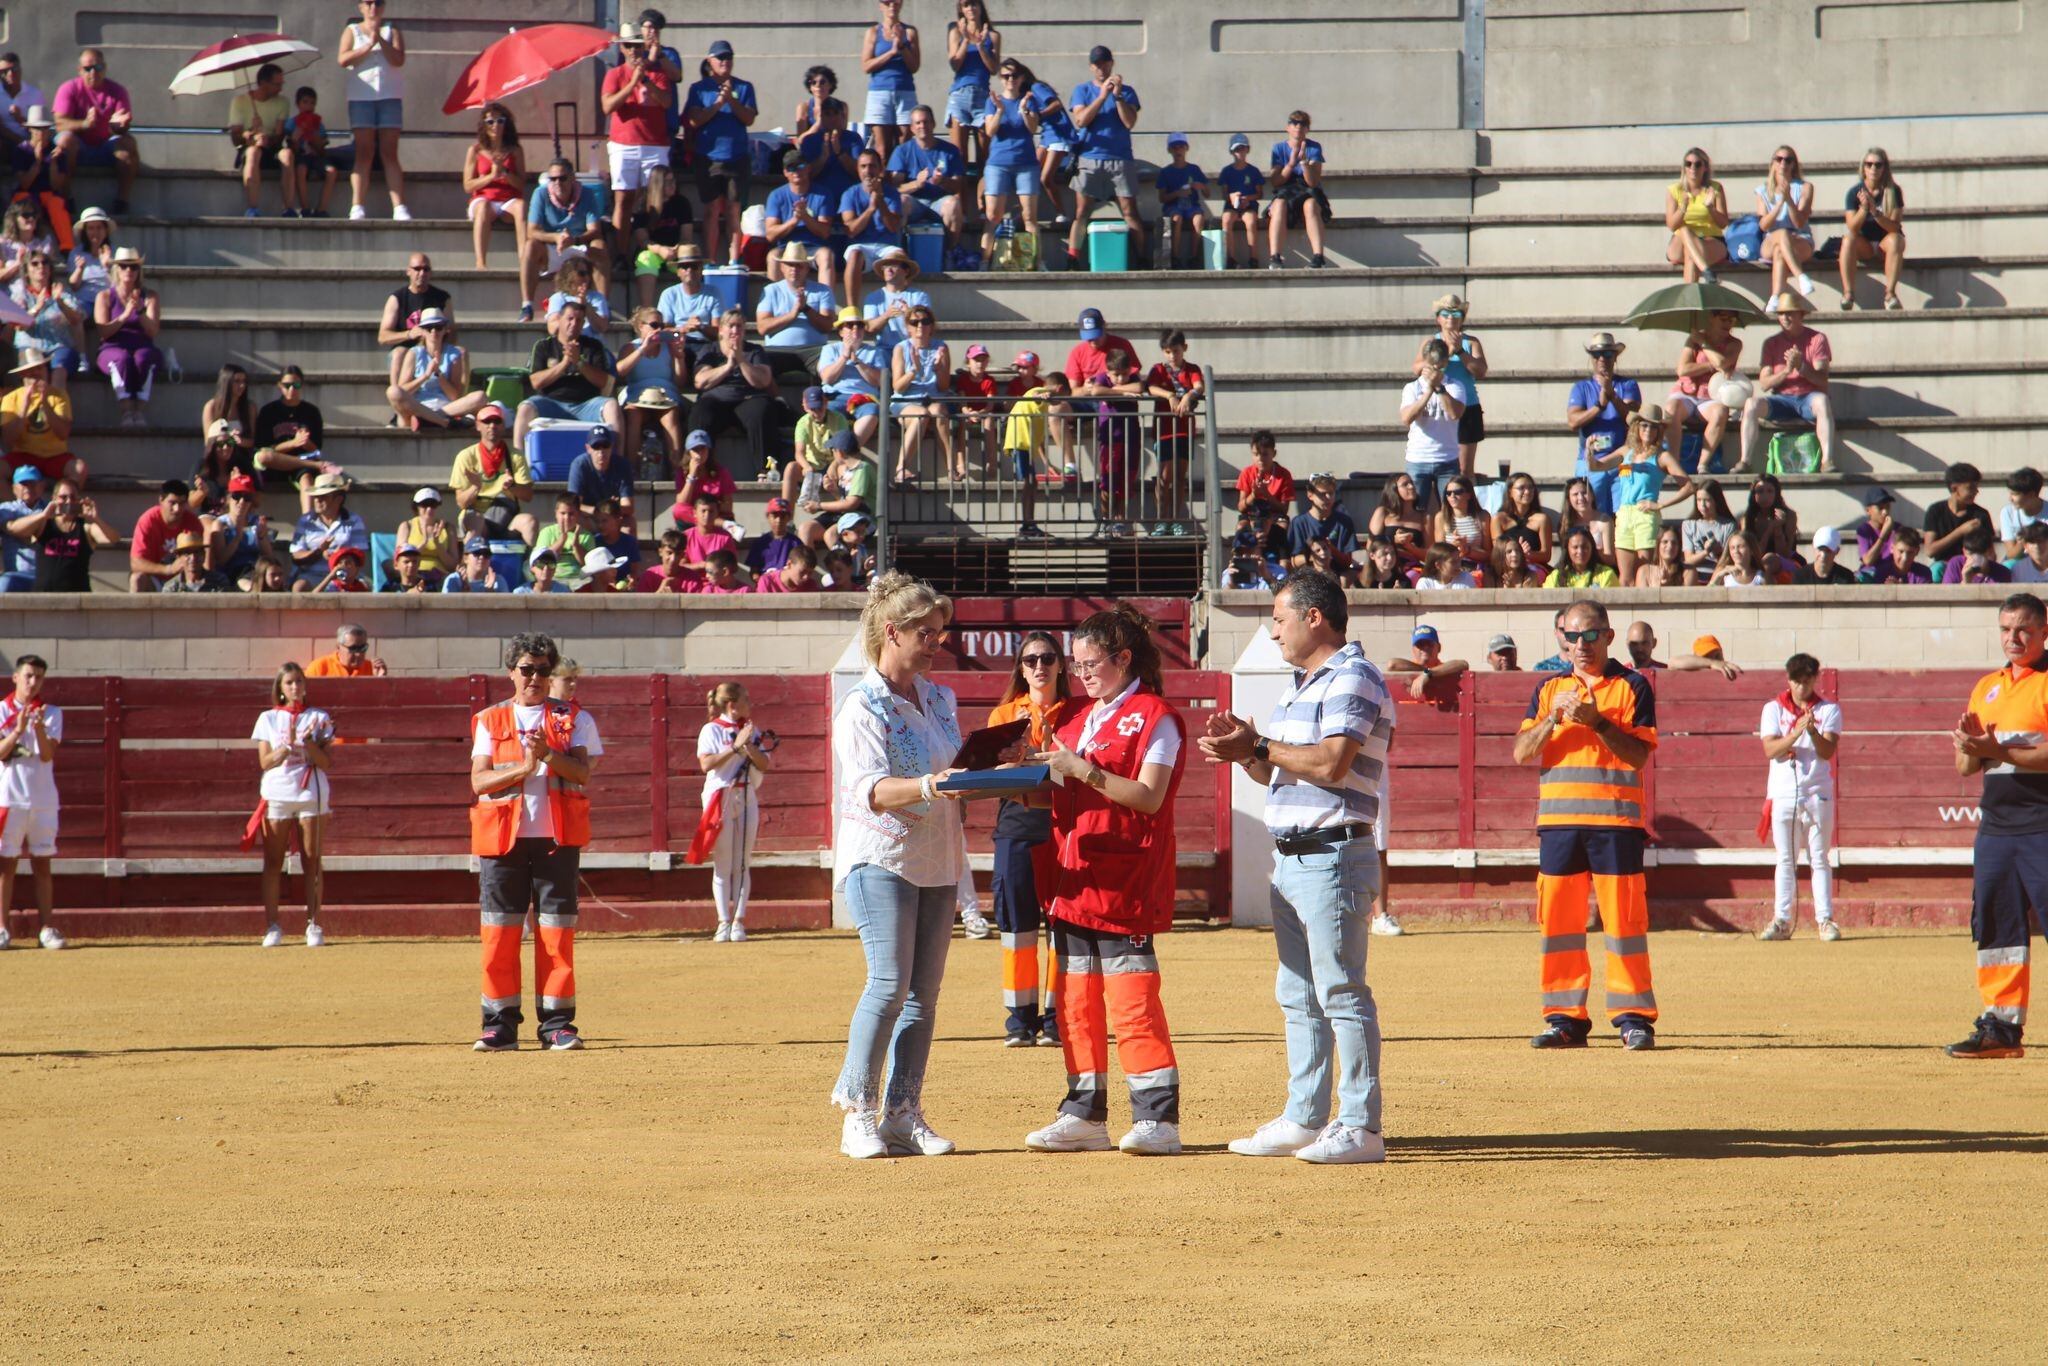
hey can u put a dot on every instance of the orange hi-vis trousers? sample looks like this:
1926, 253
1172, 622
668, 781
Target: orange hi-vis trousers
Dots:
1607, 862
2010, 879
534, 869
1020, 871
1112, 981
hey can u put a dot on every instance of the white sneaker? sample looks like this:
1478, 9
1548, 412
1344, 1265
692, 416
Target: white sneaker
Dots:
1385, 924
1069, 1134
1151, 1138
1779, 928
50, 939
1771, 306
273, 936
738, 933
357, 213
974, 923
722, 933
861, 1135
908, 1135
401, 213
1830, 931
1804, 284
1345, 1143
6, 937
1280, 1137
315, 936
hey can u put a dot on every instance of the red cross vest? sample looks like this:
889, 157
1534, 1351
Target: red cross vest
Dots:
1116, 865
494, 820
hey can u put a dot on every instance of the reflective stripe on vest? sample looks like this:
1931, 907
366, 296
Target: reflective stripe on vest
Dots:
1578, 795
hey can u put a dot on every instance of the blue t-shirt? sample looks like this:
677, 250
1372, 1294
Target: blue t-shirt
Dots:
1340, 531
1106, 139
17, 557
455, 583
678, 306
1455, 368
1011, 146
850, 382
894, 75
779, 298
974, 69
879, 302
544, 214
856, 200
593, 486
1058, 124
910, 160
1173, 178
1312, 154
781, 208
1611, 426
1246, 180
832, 179
724, 138
554, 586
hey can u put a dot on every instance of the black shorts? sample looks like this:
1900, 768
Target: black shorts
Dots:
270, 162
1472, 425
1292, 197
498, 515
728, 180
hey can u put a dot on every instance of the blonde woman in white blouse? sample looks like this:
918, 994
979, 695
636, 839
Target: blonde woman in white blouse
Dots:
899, 850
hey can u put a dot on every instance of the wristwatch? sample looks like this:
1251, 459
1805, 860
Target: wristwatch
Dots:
1262, 750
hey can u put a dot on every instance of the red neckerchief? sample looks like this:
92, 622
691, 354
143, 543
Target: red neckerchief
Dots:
11, 709
491, 459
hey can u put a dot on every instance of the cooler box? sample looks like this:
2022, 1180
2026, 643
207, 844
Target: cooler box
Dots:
729, 283
509, 559
1214, 255
1109, 246
927, 247
552, 448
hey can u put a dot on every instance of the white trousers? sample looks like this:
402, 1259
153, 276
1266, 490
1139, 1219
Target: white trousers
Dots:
733, 852
1810, 821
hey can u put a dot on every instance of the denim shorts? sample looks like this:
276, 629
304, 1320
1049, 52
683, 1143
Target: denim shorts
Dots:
376, 114
589, 410
966, 104
891, 107
1009, 180
1788, 407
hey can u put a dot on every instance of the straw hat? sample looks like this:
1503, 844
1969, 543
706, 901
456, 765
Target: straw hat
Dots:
1451, 301
896, 256
329, 483
795, 254
190, 540
127, 256
1604, 341
30, 360
1650, 414
652, 399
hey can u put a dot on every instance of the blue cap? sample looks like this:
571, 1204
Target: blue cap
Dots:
720, 48
1238, 140
476, 545
697, 439
599, 438
1099, 54
1091, 324
29, 474
849, 521
814, 397
1424, 635
845, 442
1176, 139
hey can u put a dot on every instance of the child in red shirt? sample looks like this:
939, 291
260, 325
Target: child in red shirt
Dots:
1177, 384
977, 419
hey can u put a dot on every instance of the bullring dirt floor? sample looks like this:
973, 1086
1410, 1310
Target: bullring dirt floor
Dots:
216, 1152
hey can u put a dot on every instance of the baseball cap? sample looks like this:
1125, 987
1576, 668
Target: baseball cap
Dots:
1424, 635
223, 427
977, 350
1705, 646
792, 159
1091, 324
29, 474
347, 552
778, 504
476, 545
1176, 140
851, 520
814, 397
1099, 53
719, 48
405, 550
1238, 140
238, 483
1876, 494
600, 437
845, 442
1500, 643
428, 495
546, 552
1025, 358
1828, 538
491, 410
697, 439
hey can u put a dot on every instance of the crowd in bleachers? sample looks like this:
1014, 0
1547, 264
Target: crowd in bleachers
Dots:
616, 402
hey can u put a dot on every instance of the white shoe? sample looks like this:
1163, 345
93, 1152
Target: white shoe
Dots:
1151, 1138
861, 1135
6, 937
357, 213
738, 933
1280, 1137
1804, 284
1779, 928
401, 213
1069, 1134
1345, 1143
1771, 306
1385, 924
908, 1135
1830, 931
315, 936
50, 939
722, 933
974, 923
273, 936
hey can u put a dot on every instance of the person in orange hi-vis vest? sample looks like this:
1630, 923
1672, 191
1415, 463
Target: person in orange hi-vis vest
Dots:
1118, 765
529, 766
1593, 730
2004, 736
1025, 862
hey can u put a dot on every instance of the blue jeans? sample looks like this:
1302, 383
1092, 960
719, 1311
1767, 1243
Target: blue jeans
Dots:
1430, 481
1321, 905
14, 581
905, 931
1603, 487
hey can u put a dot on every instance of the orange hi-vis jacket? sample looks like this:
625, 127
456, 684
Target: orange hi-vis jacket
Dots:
1117, 865
494, 819
1582, 783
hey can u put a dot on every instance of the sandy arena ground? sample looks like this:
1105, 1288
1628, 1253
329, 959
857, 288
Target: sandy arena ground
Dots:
213, 1152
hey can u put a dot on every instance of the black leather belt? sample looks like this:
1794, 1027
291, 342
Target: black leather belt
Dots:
1310, 841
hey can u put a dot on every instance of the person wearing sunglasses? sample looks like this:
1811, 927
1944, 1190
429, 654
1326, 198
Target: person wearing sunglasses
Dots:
400, 325
350, 658
1590, 731
1465, 362
494, 176
1873, 212
562, 220
93, 116
290, 428
529, 770
1696, 212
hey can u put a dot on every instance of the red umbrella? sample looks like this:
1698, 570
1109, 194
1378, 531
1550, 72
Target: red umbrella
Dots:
526, 57
231, 63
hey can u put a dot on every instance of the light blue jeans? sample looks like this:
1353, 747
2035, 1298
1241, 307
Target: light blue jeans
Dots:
1322, 903
905, 931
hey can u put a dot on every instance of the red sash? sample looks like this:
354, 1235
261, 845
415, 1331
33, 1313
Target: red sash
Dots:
253, 831
708, 826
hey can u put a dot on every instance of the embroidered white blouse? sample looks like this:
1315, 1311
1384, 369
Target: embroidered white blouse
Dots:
878, 735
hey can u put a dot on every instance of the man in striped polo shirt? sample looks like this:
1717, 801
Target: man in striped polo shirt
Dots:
1323, 761
1593, 729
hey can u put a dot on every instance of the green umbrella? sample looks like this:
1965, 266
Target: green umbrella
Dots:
1684, 308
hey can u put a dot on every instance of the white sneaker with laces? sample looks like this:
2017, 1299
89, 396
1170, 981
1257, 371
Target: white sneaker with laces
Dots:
974, 923
722, 933
315, 936
6, 937
50, 939
273, 936
908, 1135
401, 213
1830, 931
1779, 928
1385, 924
738, 933
1151, 1138
861, 1135
1804, 284
1280, 1137
357, 213
1070, 1134
1345, 1143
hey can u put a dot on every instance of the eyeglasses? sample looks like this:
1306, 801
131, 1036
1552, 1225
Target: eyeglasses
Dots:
92, 66
1088, 668
1587, 637
493, 118
560, 179
1038, 661
1777, 160
421, 266
357, 647
1455, 313
490, 422
289, 384
126, 265
1692, 162
534, 670
922, 322
1875, 165
928, 635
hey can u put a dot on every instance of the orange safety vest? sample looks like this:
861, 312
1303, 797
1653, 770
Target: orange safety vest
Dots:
1116, 865
1582, 783
494, 819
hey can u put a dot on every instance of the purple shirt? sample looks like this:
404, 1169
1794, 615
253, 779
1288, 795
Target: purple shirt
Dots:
1870, 546
1992, 572
1884, 571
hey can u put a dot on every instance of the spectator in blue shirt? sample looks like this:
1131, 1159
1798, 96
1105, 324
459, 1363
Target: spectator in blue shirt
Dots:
890, 54
929, 173
873, 215
599, 475
562, 220
1011, 166
1105, 110
884, 310
975, 50
1323, 521
1182, 209
795, 313
798, 212
685, 305
1242, 184
829, 145
1057, 139
18, 554
476, 573
1298, 198
852, 367
1598, 410
721, 107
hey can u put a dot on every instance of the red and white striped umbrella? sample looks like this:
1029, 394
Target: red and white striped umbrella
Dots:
231, 63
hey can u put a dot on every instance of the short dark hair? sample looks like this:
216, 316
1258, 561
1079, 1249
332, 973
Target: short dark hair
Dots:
1907, 536
1263, 437
2025, 480
672, 540
1962, 472
719, 559
705, 498
305, 92
532, 643
567, 500
654, 17
35, 661
811, 74
2024, 602
2032, 532
171, 486
1312, 590
1977, 538
1801, 666
1172, 336
291, 371
267, 70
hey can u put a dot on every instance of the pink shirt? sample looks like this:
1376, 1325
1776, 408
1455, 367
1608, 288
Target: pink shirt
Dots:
74, 99
772, 583
714, 588
651, 580
715, 483
697, 547
1813, 346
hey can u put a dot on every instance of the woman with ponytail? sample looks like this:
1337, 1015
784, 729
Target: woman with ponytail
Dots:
898, 853
293, 745
730, 751
1117, 765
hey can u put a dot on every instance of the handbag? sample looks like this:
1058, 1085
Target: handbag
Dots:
1744, 238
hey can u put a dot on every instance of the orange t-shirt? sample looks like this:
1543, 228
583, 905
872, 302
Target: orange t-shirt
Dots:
335, 665
1583, 783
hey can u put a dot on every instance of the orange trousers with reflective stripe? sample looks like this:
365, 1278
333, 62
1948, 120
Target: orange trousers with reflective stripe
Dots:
1607, 865
539, 874
1111, 981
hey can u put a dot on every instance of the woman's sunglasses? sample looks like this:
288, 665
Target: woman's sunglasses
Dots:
1041, 661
